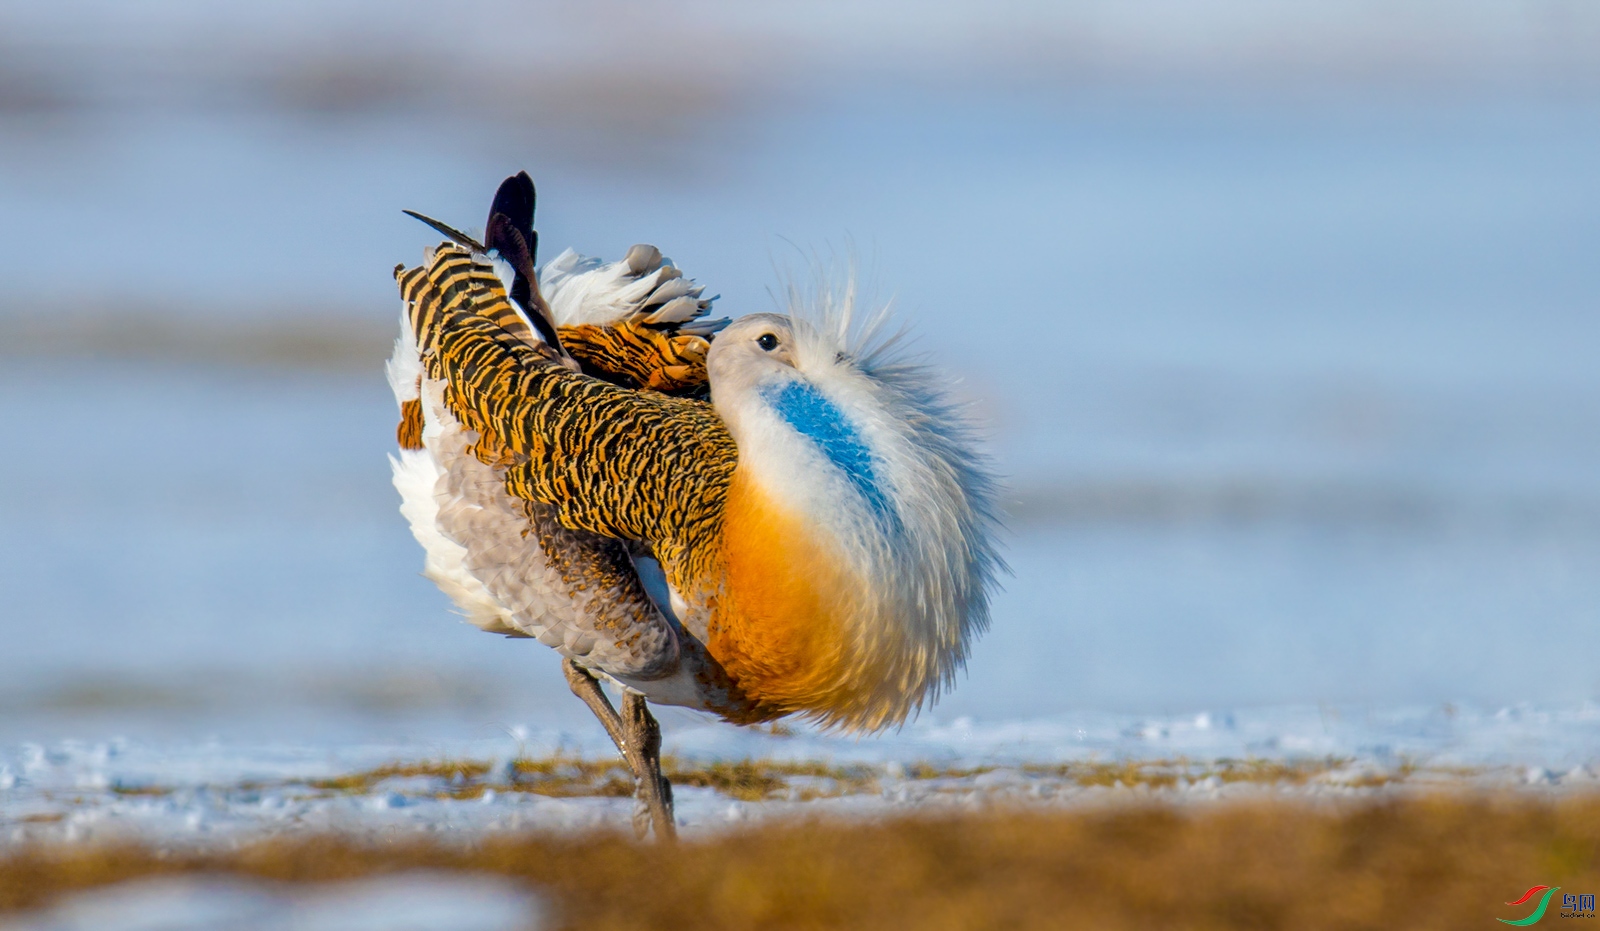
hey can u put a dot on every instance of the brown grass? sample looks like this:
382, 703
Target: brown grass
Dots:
1440, 861
564, 776
1165, 774
758, 780
572, 777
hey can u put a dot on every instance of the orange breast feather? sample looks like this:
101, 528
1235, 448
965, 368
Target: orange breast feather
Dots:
779, 629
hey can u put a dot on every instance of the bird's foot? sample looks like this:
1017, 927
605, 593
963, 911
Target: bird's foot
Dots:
651, 788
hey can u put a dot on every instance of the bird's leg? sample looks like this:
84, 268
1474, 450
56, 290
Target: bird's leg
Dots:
652, 789
638, 738
587, 687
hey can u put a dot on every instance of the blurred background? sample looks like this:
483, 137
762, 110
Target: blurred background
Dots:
1282, 319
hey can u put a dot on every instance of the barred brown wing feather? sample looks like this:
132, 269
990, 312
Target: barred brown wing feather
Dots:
633, 354
628, 464
573, 588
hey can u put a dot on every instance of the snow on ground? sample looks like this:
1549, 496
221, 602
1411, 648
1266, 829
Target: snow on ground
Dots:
210, 790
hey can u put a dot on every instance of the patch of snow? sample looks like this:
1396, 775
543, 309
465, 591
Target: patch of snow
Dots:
194, 791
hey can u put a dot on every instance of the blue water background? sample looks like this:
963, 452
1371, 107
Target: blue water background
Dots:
1296, 397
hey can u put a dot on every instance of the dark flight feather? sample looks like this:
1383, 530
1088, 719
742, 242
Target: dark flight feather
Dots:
510, 233
454, 234
515, 201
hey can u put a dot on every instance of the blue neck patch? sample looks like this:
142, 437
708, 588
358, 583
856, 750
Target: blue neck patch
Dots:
812, 415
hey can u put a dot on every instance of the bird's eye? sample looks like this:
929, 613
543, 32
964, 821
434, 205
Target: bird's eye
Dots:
767, 342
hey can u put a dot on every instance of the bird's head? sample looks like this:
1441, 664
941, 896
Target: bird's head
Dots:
796, 373
809, 422
755, 350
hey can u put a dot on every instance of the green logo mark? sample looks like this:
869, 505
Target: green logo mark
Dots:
1544, 902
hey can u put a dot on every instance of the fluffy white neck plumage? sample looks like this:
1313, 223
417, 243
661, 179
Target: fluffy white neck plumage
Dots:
883, 467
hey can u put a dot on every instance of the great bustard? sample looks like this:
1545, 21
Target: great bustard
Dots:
778, 518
